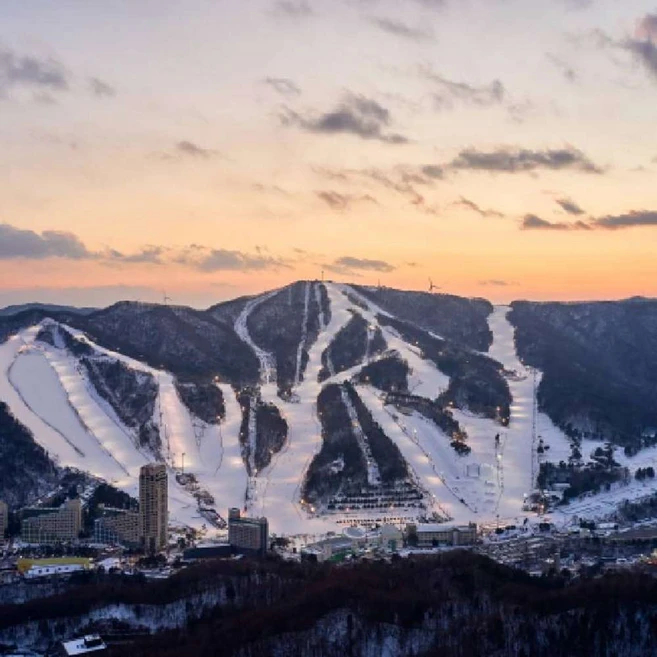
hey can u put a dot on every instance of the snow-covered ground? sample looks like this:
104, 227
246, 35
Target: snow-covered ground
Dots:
426, 380
491, 482
49, 392
31, 387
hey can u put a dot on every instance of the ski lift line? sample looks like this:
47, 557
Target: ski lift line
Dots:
499, 453
221, 445
373, 474
534, 431
304, 334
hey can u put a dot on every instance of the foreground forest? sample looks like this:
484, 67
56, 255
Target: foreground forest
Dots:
456, 604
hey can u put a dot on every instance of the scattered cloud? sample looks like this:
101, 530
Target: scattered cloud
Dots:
270, 189
496, 282
520, 160
211, 260
647, 27
17, 243
632, 219
433, 171
532, 222
578, 4
449, 92
645, 52
355, 115
400, 29
147, 255
31, 72
644, 43
629, 220
283, 86
292, 9
404, 184
428, 4
193, 150
564, 68
21, 243
471, 205
403, 180
341, 202
101, 88
348, 265
570, 206
335, 174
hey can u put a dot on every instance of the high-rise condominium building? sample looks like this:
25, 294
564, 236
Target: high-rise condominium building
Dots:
153, 507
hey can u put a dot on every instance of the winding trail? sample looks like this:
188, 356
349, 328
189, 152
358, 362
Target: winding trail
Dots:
267, 360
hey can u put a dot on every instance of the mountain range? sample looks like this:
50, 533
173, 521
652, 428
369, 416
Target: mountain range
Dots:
320, 404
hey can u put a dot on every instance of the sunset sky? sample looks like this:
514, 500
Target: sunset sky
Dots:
214, 148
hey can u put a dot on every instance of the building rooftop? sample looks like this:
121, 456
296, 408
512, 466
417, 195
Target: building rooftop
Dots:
84, 645
441, 527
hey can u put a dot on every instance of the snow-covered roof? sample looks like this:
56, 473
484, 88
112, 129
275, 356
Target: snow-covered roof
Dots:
355, 533
84, 645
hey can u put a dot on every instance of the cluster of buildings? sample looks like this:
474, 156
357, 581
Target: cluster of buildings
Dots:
246, 536
389, 539
146, 528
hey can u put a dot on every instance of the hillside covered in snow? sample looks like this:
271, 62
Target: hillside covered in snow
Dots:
321, 404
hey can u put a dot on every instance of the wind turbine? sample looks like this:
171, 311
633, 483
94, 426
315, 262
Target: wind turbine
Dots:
166, 298
432, 287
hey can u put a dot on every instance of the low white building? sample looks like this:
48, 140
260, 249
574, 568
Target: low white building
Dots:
48, 571
86, 645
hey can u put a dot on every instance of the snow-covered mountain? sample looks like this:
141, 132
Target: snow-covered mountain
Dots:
316, 405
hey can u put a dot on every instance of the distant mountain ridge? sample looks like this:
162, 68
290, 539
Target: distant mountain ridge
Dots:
45, 307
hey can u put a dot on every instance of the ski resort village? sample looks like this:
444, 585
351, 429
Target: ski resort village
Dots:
321, 421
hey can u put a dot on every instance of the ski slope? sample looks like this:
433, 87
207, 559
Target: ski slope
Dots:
47, 390
425, 380
266, 359
278, 489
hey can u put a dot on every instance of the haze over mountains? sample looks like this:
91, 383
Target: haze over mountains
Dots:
321, 403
